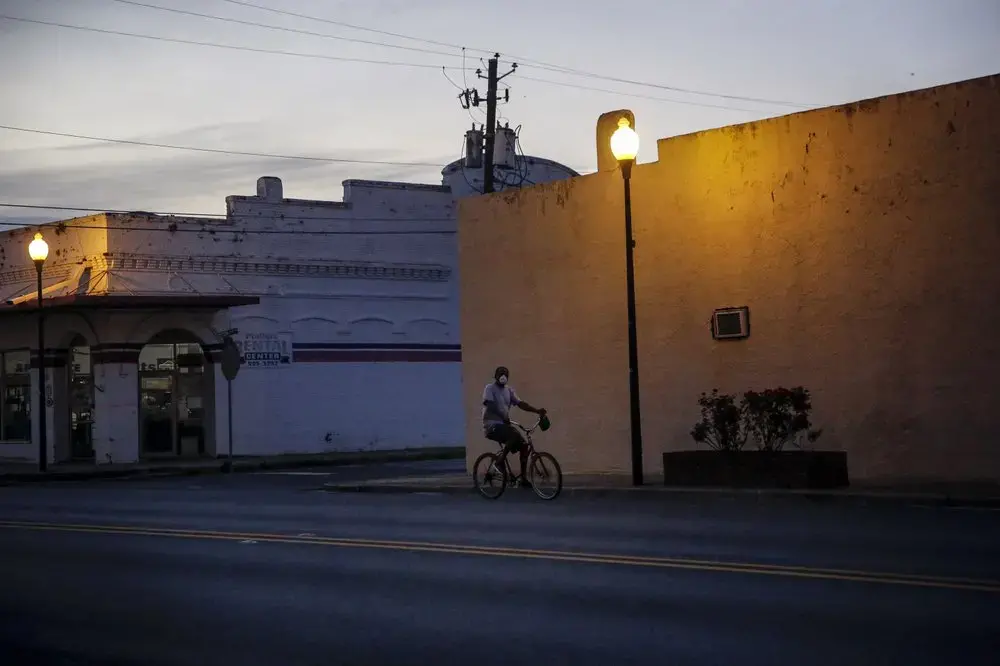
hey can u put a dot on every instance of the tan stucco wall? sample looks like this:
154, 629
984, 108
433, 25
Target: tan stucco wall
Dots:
863, 238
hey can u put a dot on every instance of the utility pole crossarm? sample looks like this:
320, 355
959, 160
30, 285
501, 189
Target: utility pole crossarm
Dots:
513, 68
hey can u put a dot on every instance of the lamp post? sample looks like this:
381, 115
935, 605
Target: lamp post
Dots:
625, 147
38, 250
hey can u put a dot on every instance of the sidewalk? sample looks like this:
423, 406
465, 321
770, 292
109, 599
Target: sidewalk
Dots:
11, 473
620, 486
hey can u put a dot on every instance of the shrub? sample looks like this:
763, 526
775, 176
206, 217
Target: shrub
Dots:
721, 425
772, 418
776, 417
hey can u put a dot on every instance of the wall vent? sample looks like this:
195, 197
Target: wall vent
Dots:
731, 323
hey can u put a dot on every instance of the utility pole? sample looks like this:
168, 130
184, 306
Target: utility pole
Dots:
491, 123
471, 98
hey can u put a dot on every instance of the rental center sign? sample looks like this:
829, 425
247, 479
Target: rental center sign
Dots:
265, 350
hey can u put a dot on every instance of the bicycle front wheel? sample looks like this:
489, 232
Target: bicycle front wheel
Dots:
490, 475
545, 476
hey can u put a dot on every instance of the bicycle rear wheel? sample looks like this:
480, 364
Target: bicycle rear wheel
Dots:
489, 475
545, 476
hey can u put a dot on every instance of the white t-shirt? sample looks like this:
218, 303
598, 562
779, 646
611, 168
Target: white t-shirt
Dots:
499, 400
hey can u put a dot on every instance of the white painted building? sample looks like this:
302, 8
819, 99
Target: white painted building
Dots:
347, 313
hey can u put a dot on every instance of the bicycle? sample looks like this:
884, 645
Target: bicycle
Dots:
542, 466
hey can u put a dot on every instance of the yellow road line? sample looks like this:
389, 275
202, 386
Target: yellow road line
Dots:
816, 573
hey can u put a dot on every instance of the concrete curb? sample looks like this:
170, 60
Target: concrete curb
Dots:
659, 493
396, 489
239, 465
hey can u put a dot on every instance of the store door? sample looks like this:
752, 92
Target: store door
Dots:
172, 396
81, 404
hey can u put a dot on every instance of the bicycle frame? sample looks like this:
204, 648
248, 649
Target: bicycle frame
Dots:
528, 431
511, 477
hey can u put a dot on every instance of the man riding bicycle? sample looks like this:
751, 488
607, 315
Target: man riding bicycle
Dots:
498, 398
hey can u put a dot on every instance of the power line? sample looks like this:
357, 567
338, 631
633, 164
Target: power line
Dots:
318, 56
463, 96
148, 144
361, 41
323, 218
333, 160
198, 149
284, 29
215, 229
667, 100
342, 24
255, 232
689, 91
660, 86
391, 63
388, 33
100, 210
527, 62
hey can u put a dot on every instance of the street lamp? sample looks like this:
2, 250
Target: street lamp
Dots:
38, 250
625, 147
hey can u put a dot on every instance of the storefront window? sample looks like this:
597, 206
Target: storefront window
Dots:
15, 390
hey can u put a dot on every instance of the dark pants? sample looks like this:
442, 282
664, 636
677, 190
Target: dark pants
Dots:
513, 442
508, 435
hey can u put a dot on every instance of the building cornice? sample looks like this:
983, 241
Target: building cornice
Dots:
114, 261
311, 203
397, 185
23, 275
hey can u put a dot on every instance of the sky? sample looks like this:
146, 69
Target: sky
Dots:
793, 54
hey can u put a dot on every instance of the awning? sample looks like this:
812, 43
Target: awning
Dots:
91, 302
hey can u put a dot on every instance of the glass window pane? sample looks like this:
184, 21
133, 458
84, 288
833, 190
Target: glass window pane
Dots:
156, 357
15, 412
17, 361
79, 360
186, 348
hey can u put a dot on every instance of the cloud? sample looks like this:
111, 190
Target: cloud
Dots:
176, 181
234, 136
232, 133
133, 183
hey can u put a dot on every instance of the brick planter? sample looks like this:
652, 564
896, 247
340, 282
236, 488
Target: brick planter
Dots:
756, 469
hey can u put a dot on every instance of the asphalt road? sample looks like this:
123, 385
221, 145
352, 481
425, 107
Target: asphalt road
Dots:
262, 569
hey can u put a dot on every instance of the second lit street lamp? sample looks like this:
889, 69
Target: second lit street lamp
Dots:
38, 250
625, 147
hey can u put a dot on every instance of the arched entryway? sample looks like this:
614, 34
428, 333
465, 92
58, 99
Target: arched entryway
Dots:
80, 377
174, 396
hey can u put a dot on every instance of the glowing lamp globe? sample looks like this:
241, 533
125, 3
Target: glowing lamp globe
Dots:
38, 249
624, 142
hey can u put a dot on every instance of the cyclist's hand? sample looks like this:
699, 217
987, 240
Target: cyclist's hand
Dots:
542, 412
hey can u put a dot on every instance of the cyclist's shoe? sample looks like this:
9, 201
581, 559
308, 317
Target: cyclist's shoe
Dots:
524, 483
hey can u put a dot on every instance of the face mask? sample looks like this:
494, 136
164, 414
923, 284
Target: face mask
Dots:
502, 379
